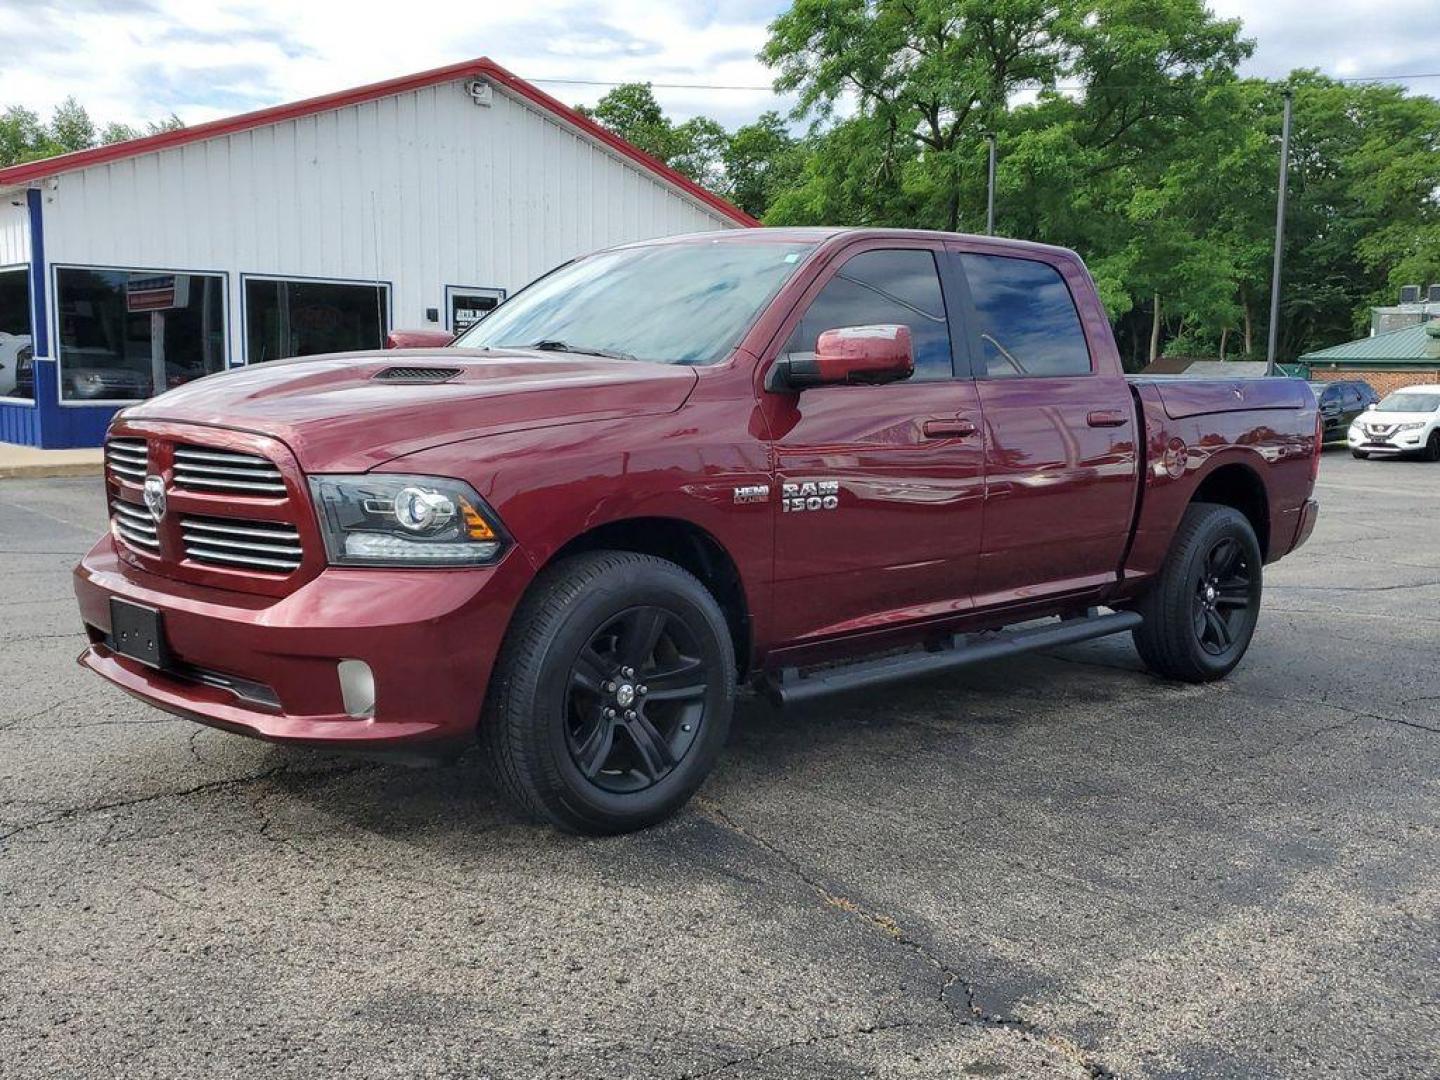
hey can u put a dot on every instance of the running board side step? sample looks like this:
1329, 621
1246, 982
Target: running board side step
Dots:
790, 686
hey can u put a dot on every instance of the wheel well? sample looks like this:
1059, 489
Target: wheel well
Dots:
1239, 486
686, 545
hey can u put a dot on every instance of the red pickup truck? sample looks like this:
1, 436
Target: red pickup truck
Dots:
811, 460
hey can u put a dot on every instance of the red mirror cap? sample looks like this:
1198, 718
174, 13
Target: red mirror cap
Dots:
881, 353
418, 339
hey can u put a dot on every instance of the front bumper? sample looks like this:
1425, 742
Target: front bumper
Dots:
1396, 443
268, 667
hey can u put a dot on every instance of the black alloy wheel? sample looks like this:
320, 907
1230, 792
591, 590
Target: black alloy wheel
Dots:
611, 698
637, 700
1202, 608
1221, 609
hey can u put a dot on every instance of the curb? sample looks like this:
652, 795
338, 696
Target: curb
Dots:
46, 470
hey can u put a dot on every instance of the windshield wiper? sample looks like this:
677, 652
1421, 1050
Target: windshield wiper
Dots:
555, 345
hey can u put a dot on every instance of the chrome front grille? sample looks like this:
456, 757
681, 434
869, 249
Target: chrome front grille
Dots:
135, 526
210, 469
128, 458
251, 545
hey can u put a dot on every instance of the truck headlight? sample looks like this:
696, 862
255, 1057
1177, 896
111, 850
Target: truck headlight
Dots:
382, 519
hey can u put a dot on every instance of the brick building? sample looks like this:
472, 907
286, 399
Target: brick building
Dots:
1385, 361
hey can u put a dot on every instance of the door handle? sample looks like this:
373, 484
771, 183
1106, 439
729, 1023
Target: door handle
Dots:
1107, 418
956, 427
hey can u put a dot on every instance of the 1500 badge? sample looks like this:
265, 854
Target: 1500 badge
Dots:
809, 495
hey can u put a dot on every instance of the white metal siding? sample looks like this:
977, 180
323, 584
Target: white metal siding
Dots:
14, 229
461, 195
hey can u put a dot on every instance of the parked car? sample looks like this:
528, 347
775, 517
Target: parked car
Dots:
814, 460
1407, 422
1341, 402
15, 359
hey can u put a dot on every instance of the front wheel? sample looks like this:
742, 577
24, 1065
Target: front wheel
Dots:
1432, 446
1201, 611
612, 695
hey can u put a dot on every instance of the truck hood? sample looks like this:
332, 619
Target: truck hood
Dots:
337, 416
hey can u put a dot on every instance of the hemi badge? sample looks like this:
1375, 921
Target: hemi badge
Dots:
752, 493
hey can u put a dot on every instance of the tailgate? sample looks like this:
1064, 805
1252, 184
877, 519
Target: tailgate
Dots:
1183, 397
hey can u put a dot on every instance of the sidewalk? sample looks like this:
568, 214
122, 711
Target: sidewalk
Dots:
29, 462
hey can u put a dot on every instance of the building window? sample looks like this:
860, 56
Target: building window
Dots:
1028, 321
303, 318
17, 373
127, 334
468, 306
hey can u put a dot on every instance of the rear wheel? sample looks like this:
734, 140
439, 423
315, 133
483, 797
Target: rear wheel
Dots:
1201, 612
612, 695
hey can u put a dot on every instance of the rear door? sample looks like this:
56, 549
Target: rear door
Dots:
881, 486
1060, 432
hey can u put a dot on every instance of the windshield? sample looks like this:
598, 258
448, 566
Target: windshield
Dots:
684, 303
1403, 402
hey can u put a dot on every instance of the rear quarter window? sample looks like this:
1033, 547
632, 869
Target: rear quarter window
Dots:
1028, 324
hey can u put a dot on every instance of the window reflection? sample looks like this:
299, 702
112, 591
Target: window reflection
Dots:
1028, 322
127, 334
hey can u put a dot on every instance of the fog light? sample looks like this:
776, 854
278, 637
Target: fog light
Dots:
357, 688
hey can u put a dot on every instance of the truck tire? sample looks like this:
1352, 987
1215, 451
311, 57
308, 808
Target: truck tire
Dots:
612, 694
1201, 611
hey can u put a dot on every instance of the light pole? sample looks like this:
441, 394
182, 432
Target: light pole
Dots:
990, 196
1279, 236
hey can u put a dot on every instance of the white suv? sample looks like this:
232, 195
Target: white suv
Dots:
1406, 422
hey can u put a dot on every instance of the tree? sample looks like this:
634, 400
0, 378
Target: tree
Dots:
631, 111
762, 160
24, 138
71, 127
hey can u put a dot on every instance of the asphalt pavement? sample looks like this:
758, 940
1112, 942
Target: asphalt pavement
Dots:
1053, 866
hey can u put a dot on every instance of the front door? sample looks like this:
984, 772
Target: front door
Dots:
1060, 438
880, 487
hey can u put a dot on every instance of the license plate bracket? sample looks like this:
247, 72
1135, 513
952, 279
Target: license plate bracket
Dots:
138, 632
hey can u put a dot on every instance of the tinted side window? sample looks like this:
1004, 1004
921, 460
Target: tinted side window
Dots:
884, 287
1028, 321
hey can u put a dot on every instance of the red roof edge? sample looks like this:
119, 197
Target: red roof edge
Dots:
482, 67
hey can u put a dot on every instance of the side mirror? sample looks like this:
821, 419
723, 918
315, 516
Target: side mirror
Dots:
851, 355
418, 339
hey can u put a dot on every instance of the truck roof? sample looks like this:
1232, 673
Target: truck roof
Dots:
818, 234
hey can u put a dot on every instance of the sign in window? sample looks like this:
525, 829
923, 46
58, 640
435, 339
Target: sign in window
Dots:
128, 334
468, 306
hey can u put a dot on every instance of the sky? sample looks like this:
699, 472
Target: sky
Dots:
140, 60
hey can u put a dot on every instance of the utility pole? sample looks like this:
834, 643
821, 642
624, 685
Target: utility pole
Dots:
990, 197
1279, 235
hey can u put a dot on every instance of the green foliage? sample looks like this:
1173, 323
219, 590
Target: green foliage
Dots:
1124, 133
24, 138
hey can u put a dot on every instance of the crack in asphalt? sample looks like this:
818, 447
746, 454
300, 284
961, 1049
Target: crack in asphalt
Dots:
814, 1040
950, 977
1313, 704
1357, 588
77, 812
